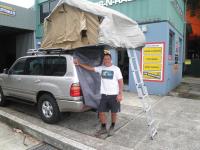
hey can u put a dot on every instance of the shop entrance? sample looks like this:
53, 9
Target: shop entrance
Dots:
123, 64
193, 54
8, 51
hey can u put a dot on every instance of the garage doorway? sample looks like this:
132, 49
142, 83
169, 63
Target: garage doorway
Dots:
123, 64
13, 44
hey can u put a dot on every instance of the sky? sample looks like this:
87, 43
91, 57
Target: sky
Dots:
22, 3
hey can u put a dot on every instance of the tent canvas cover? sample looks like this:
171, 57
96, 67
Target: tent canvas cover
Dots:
87, 27
77, 23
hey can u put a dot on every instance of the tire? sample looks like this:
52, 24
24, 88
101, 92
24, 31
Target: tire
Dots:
2, 98
48, 109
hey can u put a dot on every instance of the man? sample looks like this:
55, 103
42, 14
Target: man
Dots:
111, 91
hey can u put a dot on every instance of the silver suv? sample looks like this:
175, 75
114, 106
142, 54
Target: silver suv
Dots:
50, 81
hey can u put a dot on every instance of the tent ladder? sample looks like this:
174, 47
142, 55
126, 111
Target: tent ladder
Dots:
142, 91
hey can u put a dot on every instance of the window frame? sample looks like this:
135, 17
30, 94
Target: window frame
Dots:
171, 45
180, 52
28, 61
10, 72
45, 63
42, 16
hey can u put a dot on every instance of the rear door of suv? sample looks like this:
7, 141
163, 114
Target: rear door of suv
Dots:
54, 80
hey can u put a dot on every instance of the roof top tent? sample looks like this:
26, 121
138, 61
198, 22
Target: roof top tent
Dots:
79, 24
76, 23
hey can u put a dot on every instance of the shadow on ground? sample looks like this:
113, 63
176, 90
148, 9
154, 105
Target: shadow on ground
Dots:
187, 90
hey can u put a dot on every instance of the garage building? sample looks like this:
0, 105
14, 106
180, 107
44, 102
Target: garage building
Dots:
17, 27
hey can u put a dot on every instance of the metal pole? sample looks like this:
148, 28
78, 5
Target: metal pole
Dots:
185, 30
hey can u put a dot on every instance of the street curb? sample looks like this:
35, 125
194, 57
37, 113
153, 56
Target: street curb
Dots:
57, 140
42, 134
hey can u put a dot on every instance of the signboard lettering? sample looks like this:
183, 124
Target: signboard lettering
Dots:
5, 10
177, 7
113, 2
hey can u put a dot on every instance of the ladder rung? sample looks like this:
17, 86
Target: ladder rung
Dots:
151, 122
131, 57
148, 109
134, 70
153, 133
145, 95
140, 83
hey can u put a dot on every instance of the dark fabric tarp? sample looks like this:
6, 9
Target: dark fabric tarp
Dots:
90, 81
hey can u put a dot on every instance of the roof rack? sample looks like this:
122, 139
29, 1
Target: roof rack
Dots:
42, 51
33, 52
52, 50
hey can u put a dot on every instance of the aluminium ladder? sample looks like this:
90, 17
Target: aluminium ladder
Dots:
142, 91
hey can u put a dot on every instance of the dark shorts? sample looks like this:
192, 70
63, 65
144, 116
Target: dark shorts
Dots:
109, 103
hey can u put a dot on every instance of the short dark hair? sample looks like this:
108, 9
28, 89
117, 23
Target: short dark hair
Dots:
107, 54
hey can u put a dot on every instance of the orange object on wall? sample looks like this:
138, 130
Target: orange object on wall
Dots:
195, 23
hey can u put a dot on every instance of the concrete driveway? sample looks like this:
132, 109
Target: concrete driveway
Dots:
178, 122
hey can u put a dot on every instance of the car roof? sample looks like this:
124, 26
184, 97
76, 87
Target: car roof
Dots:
43, 55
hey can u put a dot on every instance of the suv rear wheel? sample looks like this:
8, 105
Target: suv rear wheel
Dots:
2, 98
48, 109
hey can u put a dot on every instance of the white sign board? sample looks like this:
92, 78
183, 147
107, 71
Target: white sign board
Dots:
113, 2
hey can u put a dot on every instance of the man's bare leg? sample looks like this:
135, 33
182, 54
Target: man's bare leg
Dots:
114, 119
102, 117
103, 129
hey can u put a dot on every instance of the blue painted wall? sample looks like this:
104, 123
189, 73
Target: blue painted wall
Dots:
174, 76
159, 32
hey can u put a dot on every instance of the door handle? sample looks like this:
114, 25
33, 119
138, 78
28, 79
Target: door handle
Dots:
37, 81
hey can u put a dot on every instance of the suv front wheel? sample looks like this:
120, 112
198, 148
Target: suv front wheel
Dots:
48, 109
2, 98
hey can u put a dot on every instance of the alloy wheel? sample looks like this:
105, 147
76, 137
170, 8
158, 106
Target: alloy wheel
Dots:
47, 109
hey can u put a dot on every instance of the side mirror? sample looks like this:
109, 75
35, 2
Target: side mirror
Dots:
5, 71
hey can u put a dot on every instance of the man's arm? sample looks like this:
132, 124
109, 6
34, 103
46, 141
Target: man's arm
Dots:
121, 85
85, 66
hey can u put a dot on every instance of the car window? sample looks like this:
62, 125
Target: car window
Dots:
18, 68
34, 66
55, 66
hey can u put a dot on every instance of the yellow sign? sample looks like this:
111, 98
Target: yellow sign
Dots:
152, 51
188, 61
152, 75
152, 67
154, 59
6, 10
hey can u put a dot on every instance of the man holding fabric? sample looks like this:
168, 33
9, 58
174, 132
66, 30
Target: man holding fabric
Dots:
111, 91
